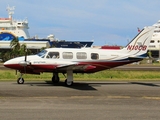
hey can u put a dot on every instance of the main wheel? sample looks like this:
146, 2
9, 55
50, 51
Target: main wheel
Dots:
68, 83
20, 81
55, 79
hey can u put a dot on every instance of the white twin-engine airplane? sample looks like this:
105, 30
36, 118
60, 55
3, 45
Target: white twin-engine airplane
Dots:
81, 60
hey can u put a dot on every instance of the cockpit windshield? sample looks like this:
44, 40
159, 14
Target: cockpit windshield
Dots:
42, 53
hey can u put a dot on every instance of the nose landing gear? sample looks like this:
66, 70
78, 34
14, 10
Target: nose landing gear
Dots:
20, 79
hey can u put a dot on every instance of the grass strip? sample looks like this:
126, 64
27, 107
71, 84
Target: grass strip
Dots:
9, 75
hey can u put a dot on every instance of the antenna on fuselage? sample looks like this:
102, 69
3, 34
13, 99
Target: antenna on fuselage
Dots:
84, 46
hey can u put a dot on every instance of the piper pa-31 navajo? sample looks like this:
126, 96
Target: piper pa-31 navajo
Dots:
81, 60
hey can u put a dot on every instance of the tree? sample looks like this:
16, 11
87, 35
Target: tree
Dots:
15, 45
16, 50
6, 56
150, 54
23, 50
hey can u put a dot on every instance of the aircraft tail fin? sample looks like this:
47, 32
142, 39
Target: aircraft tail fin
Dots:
139, 45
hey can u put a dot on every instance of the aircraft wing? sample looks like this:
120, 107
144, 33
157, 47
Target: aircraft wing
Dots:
76, 67
61, 66
138, 57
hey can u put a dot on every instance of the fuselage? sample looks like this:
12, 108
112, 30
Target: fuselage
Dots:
84, 60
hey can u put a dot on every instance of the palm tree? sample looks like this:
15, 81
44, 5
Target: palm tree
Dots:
15, 45
6, 56
23, 50
17, 50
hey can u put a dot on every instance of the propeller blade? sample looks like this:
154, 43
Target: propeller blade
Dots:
25, 59
24, 69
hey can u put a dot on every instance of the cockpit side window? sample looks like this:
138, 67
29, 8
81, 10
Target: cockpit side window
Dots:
42, 53
53, 55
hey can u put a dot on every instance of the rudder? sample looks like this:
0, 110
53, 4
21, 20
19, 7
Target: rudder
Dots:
140, 43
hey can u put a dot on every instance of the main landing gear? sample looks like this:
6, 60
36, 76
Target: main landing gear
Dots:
68, 81
55, 78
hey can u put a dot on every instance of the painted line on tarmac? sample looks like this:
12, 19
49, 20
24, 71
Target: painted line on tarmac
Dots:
113, 97
119, 97
83, 97
151, 98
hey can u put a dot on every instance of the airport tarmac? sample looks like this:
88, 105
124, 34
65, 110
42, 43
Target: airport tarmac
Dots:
91, 100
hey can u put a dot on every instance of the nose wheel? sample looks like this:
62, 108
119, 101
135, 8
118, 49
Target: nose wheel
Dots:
20, 81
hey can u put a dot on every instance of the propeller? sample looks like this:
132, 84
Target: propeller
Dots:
25, 58
25, 63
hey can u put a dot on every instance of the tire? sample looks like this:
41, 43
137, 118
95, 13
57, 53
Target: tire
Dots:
68, 83
20, 81
55, 80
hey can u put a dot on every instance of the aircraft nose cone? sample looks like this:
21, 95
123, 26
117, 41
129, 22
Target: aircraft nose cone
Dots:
10, 64
6, 64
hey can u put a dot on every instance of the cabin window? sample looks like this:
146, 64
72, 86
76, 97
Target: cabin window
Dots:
152, 41
94, 56
81, 55
53, 55
67, 55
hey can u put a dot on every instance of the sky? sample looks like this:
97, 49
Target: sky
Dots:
107, 22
